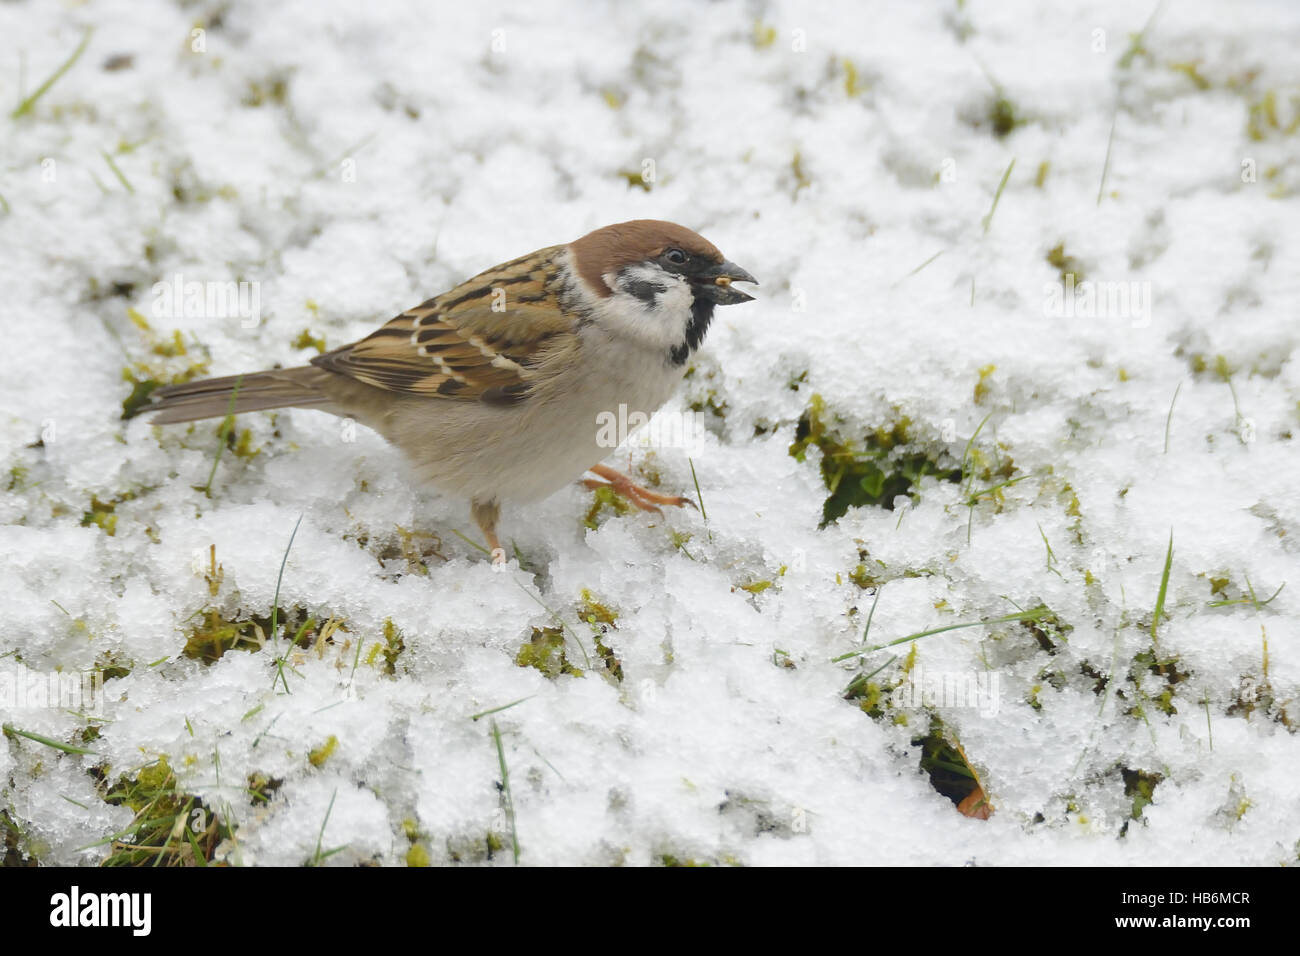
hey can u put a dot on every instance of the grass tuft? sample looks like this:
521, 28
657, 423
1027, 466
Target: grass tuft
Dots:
171, 828
884, 464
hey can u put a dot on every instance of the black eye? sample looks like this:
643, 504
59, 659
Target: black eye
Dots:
676, 257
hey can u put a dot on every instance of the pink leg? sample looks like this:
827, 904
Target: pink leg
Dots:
643, 498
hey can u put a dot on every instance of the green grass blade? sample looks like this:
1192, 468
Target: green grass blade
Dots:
26, 105
223, 434
317, 857
994, 208
497, 710
970, 443
1033, 614
872, 613
1164, 588
698, 494
470, 541
56, 744
275, 610
117, 171
1105, 165
1170, 417
918, 268
505, 790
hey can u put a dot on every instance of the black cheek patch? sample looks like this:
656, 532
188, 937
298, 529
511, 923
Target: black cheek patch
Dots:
644, 289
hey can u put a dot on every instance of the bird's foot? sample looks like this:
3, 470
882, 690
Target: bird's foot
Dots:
643, 498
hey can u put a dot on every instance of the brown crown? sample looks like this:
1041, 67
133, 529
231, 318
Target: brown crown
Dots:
622, 244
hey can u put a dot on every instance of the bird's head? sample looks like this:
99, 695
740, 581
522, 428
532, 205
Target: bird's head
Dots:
658, 282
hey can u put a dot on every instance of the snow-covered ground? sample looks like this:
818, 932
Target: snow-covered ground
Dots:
349, 160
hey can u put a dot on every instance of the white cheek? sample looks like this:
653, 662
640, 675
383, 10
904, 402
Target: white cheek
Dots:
677, 300
659, 324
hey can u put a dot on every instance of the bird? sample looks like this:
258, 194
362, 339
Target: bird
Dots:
494, 389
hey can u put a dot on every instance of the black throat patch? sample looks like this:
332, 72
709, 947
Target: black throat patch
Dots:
701, 316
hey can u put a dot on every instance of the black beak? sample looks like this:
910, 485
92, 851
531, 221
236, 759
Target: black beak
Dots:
715, 284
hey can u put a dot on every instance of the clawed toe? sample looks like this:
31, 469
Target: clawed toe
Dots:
642, 498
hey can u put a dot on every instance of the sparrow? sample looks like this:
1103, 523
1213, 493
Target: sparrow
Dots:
493, 390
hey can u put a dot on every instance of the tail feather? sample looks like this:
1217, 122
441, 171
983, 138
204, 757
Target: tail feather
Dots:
256, 391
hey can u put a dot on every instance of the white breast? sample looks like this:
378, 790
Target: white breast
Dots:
528, 451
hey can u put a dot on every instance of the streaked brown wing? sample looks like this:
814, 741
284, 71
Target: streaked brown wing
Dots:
480, 341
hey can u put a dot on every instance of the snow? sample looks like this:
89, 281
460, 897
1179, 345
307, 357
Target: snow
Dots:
353, 160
